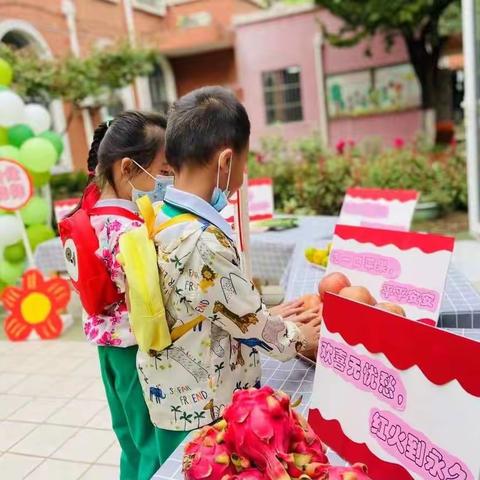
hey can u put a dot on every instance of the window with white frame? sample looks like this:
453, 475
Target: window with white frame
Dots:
153, 6
282, 95
158, 90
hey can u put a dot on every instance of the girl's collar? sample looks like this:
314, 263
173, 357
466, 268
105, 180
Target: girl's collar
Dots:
118, 202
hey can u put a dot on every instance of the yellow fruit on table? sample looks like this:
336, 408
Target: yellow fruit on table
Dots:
320, 256
329, 247
309, 253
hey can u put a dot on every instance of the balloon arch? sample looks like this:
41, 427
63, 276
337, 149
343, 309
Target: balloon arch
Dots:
27, 138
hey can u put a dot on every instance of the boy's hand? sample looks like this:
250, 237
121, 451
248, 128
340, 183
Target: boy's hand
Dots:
287, 309
311, 332
306, 316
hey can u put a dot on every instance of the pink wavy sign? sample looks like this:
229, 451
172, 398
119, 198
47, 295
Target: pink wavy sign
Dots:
414, 450
365, 373
371, 263
366, 209
407, 294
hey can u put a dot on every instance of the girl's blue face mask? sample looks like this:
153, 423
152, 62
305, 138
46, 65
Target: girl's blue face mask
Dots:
157, 194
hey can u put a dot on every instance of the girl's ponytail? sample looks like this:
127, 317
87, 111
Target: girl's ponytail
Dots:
98, 136
91, 192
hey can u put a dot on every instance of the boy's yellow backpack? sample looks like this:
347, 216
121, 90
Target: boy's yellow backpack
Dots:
138, 257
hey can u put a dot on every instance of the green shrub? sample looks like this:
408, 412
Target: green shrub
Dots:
309, 180
68, 185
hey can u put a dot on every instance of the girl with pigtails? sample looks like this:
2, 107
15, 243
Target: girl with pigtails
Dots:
126, 161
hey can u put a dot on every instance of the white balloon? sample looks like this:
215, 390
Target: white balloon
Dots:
11, 228
37, 117
12, 108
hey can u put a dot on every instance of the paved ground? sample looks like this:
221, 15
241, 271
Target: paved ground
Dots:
54, 422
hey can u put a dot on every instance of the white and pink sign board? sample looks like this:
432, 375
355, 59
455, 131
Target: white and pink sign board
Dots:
16, 187
260, 201
379, 208
405, 268
400, 396
63, 207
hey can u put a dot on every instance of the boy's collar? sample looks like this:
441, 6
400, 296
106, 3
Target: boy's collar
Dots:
198, 206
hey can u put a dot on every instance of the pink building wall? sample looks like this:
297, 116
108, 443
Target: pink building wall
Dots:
275, 43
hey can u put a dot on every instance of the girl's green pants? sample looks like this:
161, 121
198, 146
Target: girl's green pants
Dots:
144, 447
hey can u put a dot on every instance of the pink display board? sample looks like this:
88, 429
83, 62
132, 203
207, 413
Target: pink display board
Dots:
260, 201
379, 208
406, 268
63, 207
400, 396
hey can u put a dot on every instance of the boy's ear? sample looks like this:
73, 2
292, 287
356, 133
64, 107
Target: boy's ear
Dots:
126, 167
224, 158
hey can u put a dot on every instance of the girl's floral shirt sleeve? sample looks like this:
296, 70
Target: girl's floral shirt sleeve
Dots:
112, 327
109, 247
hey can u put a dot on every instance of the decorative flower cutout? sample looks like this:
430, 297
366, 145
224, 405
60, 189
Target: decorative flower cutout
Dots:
35, 306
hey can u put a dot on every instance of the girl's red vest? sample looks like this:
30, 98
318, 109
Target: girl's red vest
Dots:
88, 272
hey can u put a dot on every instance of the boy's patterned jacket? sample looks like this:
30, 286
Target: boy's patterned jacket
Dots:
187, 385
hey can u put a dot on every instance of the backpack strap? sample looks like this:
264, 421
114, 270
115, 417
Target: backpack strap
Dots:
137, 256
148, 213
185, 217
180, 331
118, 211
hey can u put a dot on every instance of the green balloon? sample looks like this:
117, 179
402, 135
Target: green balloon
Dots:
15, 253
40, 179
11, 272
38, 234
35, 212
10, 152
3, 136
19, 134
6, 73
38, 155
55, 139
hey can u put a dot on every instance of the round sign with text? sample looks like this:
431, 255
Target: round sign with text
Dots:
15, 185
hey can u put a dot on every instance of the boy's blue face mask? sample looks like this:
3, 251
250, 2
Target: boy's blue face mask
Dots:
220, 197
157, 194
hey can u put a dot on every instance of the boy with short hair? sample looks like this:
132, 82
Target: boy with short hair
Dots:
226, 324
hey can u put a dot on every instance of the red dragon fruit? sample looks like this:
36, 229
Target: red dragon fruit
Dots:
250, 474
258, 428
261, 437
207, 457
303, 440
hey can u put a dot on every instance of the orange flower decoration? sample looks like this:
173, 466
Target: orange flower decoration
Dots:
35, 306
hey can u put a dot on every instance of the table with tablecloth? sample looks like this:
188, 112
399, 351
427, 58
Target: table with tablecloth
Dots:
295, 378
278, 257
270, 251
